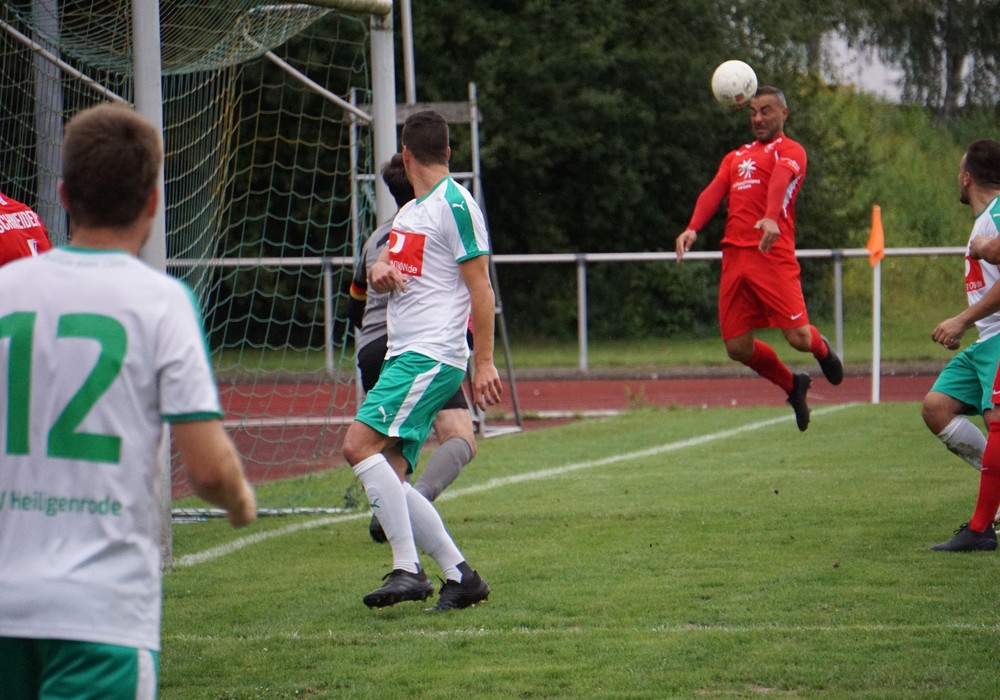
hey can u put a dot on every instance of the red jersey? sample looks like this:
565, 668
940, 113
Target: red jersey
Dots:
21, 231
744, 179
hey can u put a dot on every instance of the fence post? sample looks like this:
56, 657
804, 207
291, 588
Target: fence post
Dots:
581, 308
328, 320
838, 301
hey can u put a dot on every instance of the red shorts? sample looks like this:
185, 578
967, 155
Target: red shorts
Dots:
759, 290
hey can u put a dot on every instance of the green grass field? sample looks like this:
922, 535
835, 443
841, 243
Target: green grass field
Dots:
662, 553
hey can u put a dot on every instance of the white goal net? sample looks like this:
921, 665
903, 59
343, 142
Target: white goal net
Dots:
265, 194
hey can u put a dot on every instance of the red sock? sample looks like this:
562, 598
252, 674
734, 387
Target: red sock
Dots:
816, 345
765, 362
988, 500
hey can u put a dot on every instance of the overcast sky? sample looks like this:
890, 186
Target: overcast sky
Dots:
865, 71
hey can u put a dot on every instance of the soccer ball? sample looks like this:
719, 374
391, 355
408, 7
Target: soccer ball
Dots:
734, 83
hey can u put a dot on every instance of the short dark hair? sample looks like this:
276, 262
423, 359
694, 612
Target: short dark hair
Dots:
982, 162
771, 90
394, 177
425, 135
111, 161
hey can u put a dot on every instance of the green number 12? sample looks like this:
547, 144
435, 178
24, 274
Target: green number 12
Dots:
63, 439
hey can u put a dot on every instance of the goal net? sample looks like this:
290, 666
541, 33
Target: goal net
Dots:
265, 207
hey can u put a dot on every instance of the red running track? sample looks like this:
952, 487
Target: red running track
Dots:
287, 429
579, 395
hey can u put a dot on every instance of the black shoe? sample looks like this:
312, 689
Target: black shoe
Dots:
797, 399
376, 531
833, 368
966, 540
401, 585
455, 595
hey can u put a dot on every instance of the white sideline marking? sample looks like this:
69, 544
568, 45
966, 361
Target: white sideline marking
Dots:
238, 544
658, 629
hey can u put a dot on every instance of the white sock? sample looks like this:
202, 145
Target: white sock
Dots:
965, 440
385, 494
431, 535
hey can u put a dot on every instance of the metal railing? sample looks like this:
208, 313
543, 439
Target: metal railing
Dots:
581, 260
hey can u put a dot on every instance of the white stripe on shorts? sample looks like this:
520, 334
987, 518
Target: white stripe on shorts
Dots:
146, 686
417, 389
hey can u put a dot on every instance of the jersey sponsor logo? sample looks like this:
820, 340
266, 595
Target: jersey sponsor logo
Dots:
458, 205
746, 179
406, 252
53, 505
974, 279
747, 168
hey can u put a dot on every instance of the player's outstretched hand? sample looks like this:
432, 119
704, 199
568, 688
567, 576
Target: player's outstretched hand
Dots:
244, 511
769, 233
949, 333
684, 242
385, 278
487, 389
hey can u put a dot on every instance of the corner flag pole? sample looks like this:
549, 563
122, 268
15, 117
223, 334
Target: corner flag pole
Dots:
876, 251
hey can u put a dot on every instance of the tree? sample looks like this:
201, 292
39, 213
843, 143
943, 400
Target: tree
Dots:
948, 49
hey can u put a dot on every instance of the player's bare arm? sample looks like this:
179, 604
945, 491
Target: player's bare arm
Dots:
215, 469
950, 331
486, 386
685, 241
984, 248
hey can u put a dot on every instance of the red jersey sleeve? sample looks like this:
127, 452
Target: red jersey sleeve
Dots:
711, 197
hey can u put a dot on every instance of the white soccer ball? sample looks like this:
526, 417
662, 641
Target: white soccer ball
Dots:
734, 83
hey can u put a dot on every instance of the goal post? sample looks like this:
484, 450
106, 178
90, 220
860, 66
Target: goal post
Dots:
261, 191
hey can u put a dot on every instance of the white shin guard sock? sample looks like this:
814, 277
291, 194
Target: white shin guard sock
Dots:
431, 535
965, 440
388, 501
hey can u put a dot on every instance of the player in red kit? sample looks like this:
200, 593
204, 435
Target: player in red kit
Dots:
760, 286
22, 233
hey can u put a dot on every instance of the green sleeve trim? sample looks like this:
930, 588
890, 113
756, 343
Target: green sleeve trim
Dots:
191, 417
463, 220
470, 256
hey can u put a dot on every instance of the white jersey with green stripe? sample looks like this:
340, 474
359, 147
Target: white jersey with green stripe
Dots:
430, 237
97, 350
981, 276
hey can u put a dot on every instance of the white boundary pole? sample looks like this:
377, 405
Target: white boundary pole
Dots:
148, 96
383, 109
876, 331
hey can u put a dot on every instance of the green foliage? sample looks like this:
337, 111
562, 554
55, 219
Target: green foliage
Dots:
948, 49
599, 132
663, 560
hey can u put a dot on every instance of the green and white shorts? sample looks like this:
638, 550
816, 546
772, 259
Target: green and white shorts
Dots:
410, 391
968, 377
46, 669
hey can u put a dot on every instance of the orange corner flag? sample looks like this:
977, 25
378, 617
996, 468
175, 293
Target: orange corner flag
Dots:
876, 241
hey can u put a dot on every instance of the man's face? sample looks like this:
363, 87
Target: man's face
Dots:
767, 117
963, 183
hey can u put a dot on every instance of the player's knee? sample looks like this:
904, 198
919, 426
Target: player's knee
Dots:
937, 412
739, 353
357, 445
929, 413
